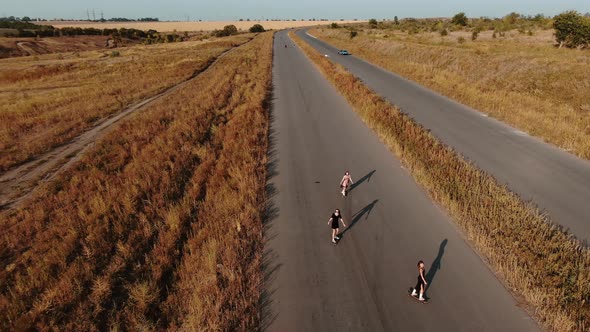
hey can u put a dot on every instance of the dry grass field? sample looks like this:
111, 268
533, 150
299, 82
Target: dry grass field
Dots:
47, 100
192, 26
538, 261
520, 79
12, 47
159, 225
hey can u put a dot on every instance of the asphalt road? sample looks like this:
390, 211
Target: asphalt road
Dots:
361, 283
556, 181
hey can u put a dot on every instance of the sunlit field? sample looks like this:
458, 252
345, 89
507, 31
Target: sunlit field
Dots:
159, 225
47, 100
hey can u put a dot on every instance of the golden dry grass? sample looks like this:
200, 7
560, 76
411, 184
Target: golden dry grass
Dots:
159, 226
539, 262
47, 100
191, 26
522, 80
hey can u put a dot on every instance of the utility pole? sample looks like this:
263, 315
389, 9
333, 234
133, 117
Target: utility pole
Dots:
87, 14
101, 16
93, 15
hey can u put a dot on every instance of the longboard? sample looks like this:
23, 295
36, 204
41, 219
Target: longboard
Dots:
415, 297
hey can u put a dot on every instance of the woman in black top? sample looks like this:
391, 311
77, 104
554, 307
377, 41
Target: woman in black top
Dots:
334, 222
421, 284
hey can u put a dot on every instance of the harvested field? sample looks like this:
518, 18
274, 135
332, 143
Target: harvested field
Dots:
537, 260
14, 47
190, 26
520, 79
135, 236
46, 101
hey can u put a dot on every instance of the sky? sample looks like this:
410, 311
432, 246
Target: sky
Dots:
282, 9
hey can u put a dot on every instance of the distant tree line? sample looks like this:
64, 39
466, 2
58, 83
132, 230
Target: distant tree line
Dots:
572, 29
26, 29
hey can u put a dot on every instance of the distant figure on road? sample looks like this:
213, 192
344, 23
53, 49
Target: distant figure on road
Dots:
345, 183
421, 285
334, 222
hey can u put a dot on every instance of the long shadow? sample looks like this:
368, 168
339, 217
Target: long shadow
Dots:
366, 211
367, 178
269, 264
436, 264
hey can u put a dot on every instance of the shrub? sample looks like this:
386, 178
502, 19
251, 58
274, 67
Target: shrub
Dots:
572, 29
474, 34
228, 30
443, 32
115, 54
460, 40
373, 23
334, 26
353, 34
257, 28
459, 19
512, 18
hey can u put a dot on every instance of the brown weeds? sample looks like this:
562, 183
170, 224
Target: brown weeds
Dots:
159, 225
538, 260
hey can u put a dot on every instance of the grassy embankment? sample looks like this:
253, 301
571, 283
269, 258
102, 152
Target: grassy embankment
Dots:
520, 79
537, 260
158, 226
47, 100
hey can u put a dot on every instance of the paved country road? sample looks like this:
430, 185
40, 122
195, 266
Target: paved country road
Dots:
360, 284
556, 181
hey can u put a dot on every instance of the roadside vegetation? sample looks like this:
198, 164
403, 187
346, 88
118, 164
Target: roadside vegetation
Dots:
47, 100
539, 262
510, 68
158, 226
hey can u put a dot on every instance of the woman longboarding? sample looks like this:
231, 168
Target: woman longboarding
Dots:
334, 223
421, 284
345, 183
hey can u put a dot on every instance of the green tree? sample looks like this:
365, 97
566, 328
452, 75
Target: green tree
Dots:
460, 19
572, 29
395, 20
257, 28
373, 23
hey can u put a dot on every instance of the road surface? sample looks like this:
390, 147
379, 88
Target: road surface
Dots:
553, 179
360, 284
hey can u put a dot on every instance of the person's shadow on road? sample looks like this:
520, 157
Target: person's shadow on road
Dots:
436, 264
367, 178
366, 211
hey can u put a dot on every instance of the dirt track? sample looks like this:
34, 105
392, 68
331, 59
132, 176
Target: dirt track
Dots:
20, 182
